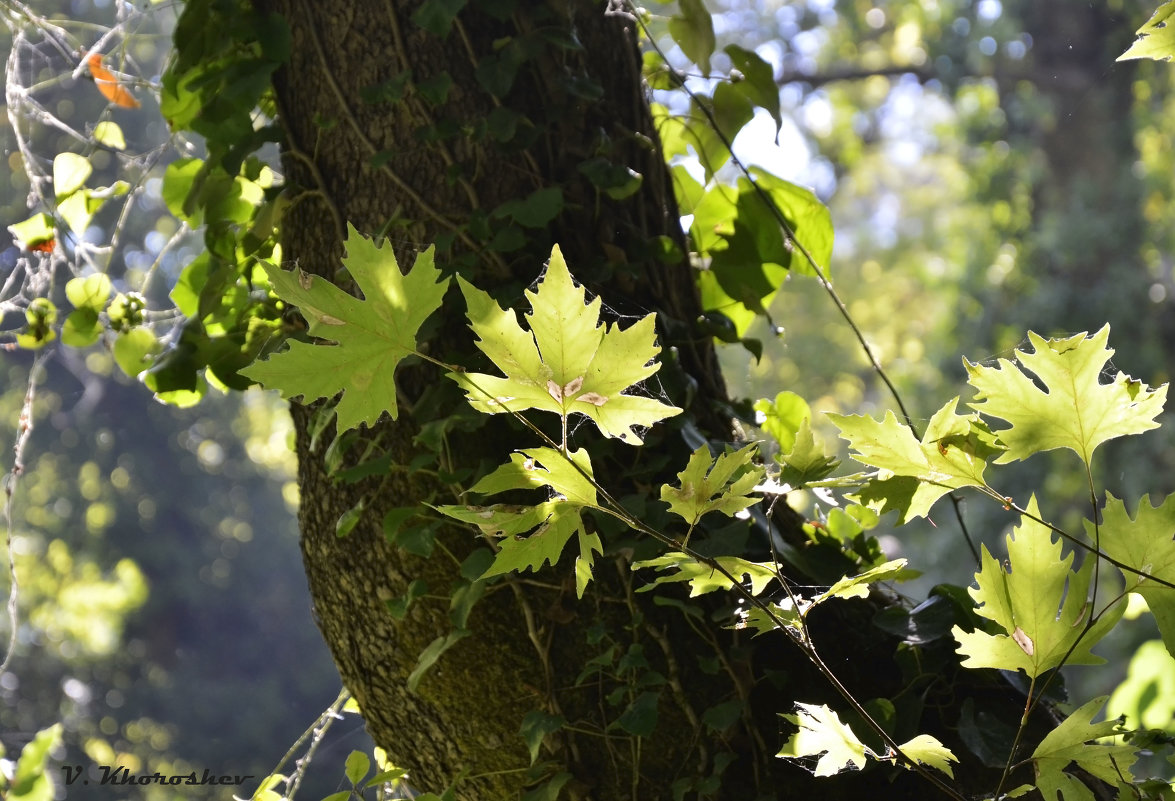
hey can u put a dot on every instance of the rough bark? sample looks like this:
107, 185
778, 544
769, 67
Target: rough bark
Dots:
530, 638
526, 641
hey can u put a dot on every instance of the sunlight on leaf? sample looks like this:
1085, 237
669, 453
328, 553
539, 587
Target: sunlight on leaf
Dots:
1156, 39
952, 454
554, 521
370, 337
721, 485
568, 362
927, 750
821, 733
703, 578
1145, 543
1075, 410
1039, 602
1073, 742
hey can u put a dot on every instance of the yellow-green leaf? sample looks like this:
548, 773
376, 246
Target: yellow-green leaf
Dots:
1074, 742
70, 172
928, 750
1075, 410
1147, 544
110, 134
951, 454
568, 362
1040, 604
821, 733
364, 340
718, 485
703, 578
90, 292
34, 231
1156, 39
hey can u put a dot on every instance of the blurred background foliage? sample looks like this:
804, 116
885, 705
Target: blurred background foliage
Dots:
164, 617
990, 169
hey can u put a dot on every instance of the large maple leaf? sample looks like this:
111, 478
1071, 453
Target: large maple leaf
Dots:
1074, 410
1038, 601
951, 454
568, 362
369, 337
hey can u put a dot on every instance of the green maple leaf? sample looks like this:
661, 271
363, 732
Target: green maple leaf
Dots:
1146, 544
1071, 742
858, 586
1025, 600
805, 462
928, 750
553, 521
952, 454
1156, 39
821, 733
703, 578
368, 337
567, 362
1077, 411
711, 486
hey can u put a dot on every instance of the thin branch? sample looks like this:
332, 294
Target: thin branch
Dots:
852, 73
23, 430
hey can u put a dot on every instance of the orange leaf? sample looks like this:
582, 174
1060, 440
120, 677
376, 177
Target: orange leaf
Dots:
108, 85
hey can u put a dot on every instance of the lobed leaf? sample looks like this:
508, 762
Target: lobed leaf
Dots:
551, 522
1072, 743
952, 454
1041, 605
821, 733
858, 586
1156, 39
364, 339
927, 750
806, 461
720, 485
1147, 544
1074, 410
703, 578
568, 362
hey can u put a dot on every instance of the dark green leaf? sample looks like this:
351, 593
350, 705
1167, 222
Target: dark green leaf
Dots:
758, 82
399, 606
722, 716
431, 654
536, 725
462, 600
693, 31
616, 180
640, 718
436, 16
732, 110
436, 89
548, 790
347, 522
477, 563
536, 210
389, 91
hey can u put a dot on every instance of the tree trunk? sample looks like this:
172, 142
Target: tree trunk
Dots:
375, 140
